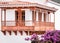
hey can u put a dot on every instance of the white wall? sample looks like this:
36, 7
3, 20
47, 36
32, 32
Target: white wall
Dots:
57, 15
13, 38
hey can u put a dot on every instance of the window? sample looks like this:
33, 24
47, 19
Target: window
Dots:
16, 13
23, 15
10, 17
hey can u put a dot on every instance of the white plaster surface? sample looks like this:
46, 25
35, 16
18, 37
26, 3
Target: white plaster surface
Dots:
57, 15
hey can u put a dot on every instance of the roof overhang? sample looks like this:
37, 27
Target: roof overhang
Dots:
24, 4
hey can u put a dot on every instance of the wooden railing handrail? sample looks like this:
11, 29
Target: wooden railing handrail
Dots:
28, 21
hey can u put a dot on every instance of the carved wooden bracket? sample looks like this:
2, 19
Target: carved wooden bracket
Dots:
21, 32
9, 32
26, 32
4, 32
15, 32
30, 32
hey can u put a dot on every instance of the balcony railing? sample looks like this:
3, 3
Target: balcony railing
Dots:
44, 26
27, 25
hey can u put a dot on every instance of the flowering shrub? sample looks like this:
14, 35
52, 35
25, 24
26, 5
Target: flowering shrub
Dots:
27, 38
49, 37
33, 37
54, 36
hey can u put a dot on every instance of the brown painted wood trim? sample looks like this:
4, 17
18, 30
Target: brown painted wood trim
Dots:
40, 16
21, 32
34, 15
5, 17
19, 16
9, 32
48, 17
26, 32
15, 32
16, 18
37, 32
44, 17
4, 32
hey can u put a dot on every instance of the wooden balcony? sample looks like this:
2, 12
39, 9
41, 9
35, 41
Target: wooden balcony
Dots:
44, 26
27, 26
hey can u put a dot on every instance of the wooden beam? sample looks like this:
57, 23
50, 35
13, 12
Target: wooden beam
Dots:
32, 7
37, 32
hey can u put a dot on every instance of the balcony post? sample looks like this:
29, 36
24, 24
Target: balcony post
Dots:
49, 17
34, 16
42, 16
54, 20
19, 16
4, 17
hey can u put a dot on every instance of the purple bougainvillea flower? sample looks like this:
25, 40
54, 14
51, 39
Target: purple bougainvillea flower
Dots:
51, 35
33, 37
54, 35
27, 38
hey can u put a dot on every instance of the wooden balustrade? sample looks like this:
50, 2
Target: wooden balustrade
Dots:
27, 26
